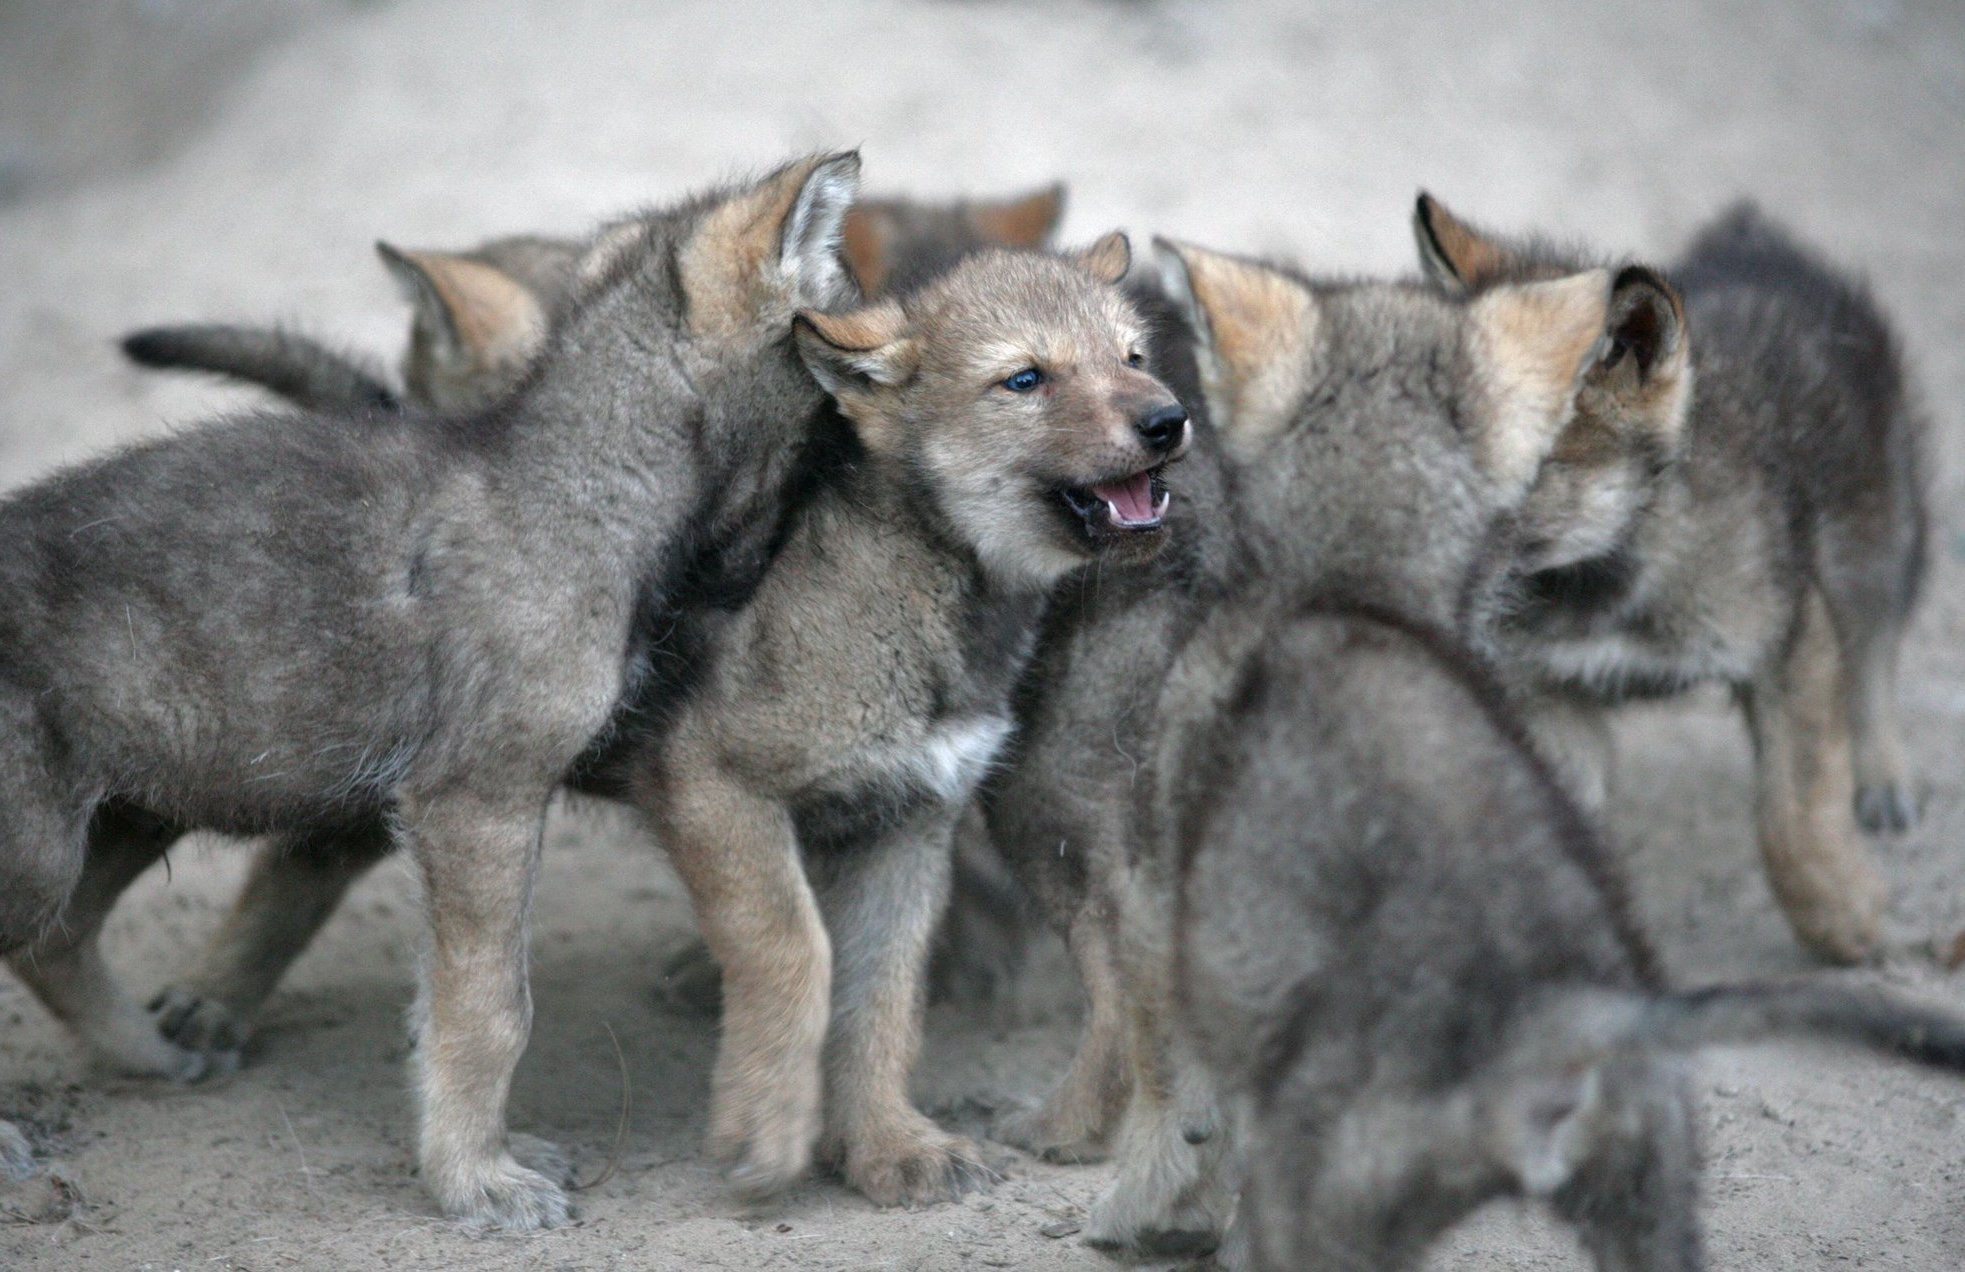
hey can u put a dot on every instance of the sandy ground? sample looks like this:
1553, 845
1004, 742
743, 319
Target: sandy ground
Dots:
166, 160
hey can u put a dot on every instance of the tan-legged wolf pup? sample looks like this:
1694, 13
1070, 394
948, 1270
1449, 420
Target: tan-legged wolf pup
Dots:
1747, 509
479, 319
351, 630
1377, 440
1404, 955
808, 785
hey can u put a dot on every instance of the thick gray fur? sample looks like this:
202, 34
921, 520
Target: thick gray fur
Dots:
288, 623
1402, 952
1774, 542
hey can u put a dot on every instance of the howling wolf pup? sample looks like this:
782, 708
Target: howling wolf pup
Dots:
1404, 956
809, 783
403, 628
1744, 506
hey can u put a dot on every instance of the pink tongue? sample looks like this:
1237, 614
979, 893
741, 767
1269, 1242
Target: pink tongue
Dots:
1131, 499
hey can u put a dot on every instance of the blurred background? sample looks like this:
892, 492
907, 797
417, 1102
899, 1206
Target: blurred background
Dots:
174, 160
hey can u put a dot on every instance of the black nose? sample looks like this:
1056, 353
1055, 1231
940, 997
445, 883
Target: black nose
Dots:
1161, 429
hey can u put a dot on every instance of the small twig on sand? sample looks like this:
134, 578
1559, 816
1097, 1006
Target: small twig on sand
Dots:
620, 1127
306, 1171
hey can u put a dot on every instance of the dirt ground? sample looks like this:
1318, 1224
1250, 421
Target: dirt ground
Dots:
165, 160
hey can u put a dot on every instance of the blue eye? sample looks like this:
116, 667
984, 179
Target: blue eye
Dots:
1135, 360
1024, 381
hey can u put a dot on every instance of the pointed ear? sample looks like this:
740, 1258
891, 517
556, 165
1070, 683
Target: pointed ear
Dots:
477, 311
857, 352
1027, 222
1256, 329
1455, 255
1547, 1127
1530, 345
1108, 259
1643, 379
770, 248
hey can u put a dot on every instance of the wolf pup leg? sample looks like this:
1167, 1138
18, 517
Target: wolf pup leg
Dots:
65, 968
1170, 1199
478, 856
739, 857
1817, 865
1075, 1121
1870, 604
881, 902
294, 885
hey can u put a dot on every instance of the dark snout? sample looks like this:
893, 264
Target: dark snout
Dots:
1163, 428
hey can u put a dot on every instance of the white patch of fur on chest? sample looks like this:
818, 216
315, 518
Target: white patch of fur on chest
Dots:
951, 759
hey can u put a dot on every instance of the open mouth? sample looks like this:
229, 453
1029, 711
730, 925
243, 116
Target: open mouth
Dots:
1129, 505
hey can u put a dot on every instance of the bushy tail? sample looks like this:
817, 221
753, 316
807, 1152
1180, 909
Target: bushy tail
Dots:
1860, 1017
303, 371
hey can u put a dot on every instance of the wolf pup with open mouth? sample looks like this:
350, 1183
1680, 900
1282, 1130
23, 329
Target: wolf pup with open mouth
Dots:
1008, 434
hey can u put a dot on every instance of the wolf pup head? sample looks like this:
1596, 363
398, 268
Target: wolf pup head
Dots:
1632, 403
1015, 389
1384, 434
478, 317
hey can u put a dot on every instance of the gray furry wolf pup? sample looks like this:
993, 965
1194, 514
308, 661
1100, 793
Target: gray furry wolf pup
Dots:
409, 630
1405, 957
1371, 439
808, 783
1748, 509
479, 319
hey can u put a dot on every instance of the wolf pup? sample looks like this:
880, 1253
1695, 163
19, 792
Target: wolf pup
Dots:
409, 630
479, 317
1747, 508
1376, 439
808, 786
1402, 952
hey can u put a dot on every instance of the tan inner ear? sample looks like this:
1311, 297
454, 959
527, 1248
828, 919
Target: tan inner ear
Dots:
861, 330
1473, 257
1109, 258
1025, 222
1531, 345
865, 245
1264, 326
729, 265
495, 317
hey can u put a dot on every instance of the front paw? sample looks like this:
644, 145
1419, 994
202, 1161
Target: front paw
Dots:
1042, 1133
922, 1165
503, 1195
201, 1024
765, 1155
